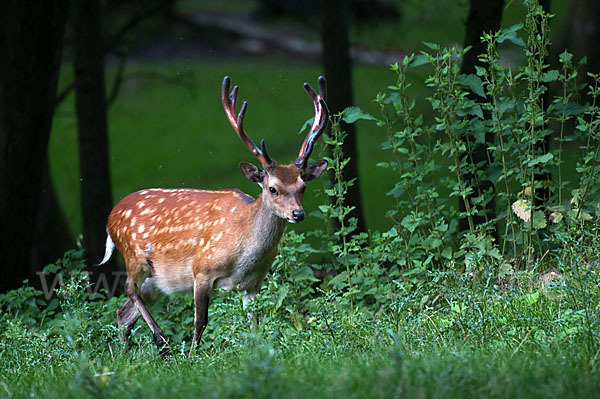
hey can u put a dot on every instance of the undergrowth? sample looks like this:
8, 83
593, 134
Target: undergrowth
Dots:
508, 307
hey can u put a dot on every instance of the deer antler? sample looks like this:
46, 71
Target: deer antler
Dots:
319, 123
229, 101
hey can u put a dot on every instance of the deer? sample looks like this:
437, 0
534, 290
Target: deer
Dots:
185, 239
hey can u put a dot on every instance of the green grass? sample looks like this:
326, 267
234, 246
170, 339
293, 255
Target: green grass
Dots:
476, 339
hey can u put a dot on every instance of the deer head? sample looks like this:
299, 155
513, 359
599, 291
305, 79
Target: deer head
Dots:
282, 185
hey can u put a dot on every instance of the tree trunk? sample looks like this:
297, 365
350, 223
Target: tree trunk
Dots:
338, 71
90, 104
51, 234
582, 34
30, 43
483, 17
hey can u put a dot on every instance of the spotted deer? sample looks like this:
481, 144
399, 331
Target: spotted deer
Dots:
189, 239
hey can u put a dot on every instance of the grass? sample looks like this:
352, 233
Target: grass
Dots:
481, 339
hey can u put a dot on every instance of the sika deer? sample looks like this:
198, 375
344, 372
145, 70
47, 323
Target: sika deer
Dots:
186, 239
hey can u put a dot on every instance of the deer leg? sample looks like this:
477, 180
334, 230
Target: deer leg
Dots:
246, 301
128, 314
159, 337
201, 299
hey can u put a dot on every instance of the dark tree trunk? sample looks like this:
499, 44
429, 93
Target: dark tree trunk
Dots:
90, 104
51, 234
338, 71
582, 35
484, 16
30, 45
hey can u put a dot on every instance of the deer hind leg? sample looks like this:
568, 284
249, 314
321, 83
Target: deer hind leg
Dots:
201, 299
128, 314
159, 337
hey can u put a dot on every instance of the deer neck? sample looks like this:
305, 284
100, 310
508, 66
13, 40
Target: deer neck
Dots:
267, 228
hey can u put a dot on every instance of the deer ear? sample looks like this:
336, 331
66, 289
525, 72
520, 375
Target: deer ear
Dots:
252, 173
314, 170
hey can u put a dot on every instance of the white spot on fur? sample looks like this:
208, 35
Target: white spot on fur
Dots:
218, 237
233, 209
128, 213
141, 228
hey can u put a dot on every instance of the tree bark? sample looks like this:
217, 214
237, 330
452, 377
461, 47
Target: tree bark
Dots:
51, 236
338, 71
483, 17
90, 105
31, 44
582, 34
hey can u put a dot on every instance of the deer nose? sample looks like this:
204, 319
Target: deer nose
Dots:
298, 215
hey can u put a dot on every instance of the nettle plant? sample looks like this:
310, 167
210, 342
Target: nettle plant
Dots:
526, 120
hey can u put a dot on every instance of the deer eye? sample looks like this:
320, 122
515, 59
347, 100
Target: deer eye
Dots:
272, 190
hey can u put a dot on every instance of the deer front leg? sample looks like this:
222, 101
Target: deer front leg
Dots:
159, 337
201, 299
246, 301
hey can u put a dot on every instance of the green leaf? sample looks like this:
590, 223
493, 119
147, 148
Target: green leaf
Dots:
473, 82
504, 270
433, 46
532, 298
570, 108
542, 159
340, 281
481, 71
447, 253
303, 273
305, 126
393, 98
352, 114
550, 76
419, 60
410, 223
510, 34
283, 291
476, 110
539, 220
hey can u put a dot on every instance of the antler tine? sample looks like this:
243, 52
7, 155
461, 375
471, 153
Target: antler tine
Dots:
319, 122
229, 102
322, 88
